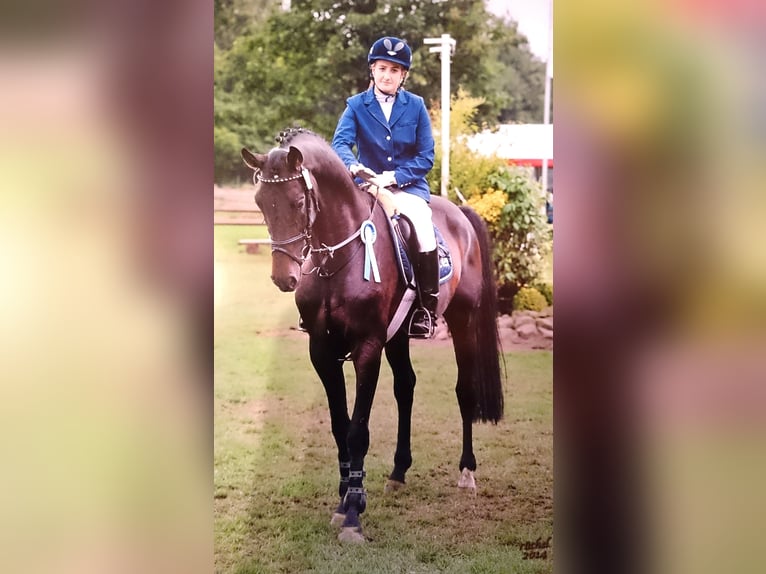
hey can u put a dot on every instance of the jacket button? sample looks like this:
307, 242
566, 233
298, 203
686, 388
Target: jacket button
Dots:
389, 158
388, 138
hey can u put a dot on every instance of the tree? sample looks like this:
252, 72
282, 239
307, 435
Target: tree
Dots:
298, 67
231, 18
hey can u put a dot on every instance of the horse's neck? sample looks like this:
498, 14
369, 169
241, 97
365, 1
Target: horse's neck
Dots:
343, 208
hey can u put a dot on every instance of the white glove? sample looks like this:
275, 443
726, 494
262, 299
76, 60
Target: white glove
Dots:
385, 179
358, 168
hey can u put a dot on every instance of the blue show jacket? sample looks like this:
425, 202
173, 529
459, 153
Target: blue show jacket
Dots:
404, 144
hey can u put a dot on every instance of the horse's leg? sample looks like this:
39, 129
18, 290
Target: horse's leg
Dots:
464, 340
398, 355
366, 358
330, 371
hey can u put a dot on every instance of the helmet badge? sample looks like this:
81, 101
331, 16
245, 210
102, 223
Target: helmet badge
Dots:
392, 50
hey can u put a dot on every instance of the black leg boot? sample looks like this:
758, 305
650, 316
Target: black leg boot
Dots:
424, 319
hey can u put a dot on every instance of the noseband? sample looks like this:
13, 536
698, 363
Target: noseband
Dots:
305, 235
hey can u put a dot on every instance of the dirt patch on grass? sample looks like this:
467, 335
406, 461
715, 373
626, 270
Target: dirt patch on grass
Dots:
509, 340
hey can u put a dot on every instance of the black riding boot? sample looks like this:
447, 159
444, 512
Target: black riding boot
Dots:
424, 318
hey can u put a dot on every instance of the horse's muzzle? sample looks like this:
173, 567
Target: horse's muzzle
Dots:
285, 284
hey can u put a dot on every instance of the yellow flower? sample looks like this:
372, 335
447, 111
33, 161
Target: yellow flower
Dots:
489, 205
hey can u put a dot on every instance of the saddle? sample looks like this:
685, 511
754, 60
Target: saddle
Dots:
403, 234
405, 244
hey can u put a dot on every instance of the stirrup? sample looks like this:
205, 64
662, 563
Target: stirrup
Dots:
415, 331
302, 325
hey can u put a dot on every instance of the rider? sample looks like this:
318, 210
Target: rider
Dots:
391, 130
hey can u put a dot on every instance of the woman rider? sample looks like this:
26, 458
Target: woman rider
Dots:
391, 131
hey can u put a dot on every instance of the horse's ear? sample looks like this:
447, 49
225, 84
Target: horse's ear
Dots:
253, 160
294, 159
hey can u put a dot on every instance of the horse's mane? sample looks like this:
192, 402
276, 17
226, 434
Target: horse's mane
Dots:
317, 153
286, 136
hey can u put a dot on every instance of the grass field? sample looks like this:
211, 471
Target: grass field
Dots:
275, 460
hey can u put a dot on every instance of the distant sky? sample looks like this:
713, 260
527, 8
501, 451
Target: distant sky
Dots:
533, 18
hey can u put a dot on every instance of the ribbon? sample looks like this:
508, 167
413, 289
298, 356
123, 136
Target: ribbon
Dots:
368, 234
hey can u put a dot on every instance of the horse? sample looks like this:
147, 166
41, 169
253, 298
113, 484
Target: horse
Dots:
327, 237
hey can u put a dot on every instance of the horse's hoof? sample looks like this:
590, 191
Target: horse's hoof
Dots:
467, 481
337, 519
351, 534
393, 486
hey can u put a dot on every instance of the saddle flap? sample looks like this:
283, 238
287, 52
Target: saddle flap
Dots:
405, 244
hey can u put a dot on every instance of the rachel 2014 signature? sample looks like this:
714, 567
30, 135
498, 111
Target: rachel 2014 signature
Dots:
537, 549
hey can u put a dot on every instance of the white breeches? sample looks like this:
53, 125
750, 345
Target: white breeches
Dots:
419, 212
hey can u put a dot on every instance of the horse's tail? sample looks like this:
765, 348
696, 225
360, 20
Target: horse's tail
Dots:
489, 388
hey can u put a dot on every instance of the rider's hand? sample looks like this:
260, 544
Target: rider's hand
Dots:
358, 168
385, 179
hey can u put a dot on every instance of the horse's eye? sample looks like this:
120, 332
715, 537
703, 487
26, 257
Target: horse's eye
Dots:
298, 203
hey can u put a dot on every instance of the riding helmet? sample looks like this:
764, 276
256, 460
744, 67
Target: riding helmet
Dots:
391, 49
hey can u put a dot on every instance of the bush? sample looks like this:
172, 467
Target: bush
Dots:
508, 199
513, 210
529, 299
546, 289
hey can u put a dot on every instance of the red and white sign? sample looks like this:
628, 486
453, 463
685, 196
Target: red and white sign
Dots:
520, 144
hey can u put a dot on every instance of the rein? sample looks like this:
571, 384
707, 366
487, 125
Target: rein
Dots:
366, 231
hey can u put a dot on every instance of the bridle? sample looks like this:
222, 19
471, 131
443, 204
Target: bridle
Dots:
305, 235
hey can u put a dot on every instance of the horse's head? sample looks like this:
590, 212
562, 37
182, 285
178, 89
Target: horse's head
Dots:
285, 196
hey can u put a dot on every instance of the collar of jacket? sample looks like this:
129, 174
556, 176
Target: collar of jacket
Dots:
402, 99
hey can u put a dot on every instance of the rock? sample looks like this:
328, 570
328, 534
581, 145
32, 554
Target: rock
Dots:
524, 313
513, 336
504, 322
441, 331
527, 330
545, 323
441, 334
521, 320
547, 312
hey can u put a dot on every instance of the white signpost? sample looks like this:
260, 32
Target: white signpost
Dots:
446, 47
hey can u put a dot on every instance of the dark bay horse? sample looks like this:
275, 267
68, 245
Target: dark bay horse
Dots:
316, 216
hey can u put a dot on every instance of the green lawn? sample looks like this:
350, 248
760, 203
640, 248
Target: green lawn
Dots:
275, 460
